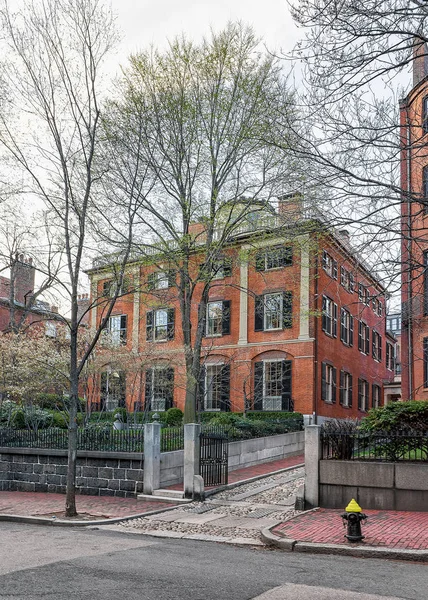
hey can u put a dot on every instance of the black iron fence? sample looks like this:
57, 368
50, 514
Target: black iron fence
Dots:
172, 438
105, 439
379, 446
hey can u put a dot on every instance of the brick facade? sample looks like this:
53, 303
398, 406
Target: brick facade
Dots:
414, 183
299, 342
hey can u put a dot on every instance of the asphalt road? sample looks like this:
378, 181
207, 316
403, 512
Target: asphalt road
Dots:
63, 564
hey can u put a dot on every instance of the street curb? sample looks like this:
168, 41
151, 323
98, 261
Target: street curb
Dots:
290, 545
63, 523
235, 484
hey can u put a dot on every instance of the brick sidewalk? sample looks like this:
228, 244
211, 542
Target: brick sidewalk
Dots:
387, 529
37, 504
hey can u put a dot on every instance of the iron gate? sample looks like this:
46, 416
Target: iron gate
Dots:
214, 454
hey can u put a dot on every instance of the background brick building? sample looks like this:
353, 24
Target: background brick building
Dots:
294, 320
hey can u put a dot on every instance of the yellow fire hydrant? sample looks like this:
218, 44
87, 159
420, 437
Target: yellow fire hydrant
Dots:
352, 519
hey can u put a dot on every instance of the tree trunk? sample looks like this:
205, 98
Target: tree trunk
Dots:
70, 501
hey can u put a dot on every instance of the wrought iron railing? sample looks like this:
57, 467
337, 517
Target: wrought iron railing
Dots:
172, 438
380, 446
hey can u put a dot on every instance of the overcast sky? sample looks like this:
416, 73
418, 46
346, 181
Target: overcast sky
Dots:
143, 22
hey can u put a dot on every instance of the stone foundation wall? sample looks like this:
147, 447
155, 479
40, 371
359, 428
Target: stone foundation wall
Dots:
98, 473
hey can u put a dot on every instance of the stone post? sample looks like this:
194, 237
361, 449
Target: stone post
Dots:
312, 461
152, 438
191, 457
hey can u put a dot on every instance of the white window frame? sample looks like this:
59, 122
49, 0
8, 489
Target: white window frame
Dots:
115, 330
156, 404
329, 383
212, 323
268, 313
345, 332
271, 403
328, 264
158, 325
346, 388
377, 343
329, 313
208, 387
376, 403
390, 364
161, 280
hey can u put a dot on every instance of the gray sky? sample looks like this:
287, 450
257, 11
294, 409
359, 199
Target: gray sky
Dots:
144, 22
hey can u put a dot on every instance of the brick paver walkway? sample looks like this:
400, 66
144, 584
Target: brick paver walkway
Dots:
36, 504
263, 469
390, 529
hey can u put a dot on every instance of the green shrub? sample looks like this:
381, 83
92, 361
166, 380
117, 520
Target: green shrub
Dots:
174, 417
49, 401
397, 416
18, 420
60, 420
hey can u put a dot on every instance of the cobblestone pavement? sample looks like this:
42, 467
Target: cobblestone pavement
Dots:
237, 514
40, 504
388, 529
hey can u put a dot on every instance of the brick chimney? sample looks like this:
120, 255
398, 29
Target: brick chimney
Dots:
420, 61
290, 206
83, 303
24, 275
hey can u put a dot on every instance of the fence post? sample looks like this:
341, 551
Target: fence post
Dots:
312, 461
152, 439
192, 444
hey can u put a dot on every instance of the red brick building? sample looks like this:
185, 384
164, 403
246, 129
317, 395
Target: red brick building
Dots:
294, 320
28, 311
414, 184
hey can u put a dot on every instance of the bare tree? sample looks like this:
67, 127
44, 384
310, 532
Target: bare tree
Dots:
205, 120
53, 132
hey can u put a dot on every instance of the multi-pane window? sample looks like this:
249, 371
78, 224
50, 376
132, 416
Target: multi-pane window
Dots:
328, 383
274, 258
160, 280
363, 294
216, 387
217, 320
222, 268
376, 396
345, 389
117, 329
394, 324
376, 346
113, 390
329, 316
390, 356
425, 114
110, 287
273, 311
272, 385
347, 279
160, 325
377, 306
159, 391
363, 395
363, 337
329, 264
346, 327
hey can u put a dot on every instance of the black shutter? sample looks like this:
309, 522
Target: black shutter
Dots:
334, 319
227, 267
171, 278
225, 317
351, 330
333, 391
169, 388
261, 260
323, 381
258, 385
151, 281
287, 310
201, 389
324, 314
123, 329
149, 325
374, 344
342, 325
170, 328
259, 310
380, 348
388, 354
360, 384
367, 331
204, 322
285, 256
360, 336
341, 389
286, 385
225, 388
373, 395
334, 268
350, 391
324, 260
148, 390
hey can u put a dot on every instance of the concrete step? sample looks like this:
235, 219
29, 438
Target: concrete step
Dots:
171, 496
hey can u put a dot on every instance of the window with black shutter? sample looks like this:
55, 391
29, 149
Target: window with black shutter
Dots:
363, 395
225, 324
329, 316
113, 390
286, 386
329, 264
159, 388
287, 310
328, 382
276, 257
160, 325
346, 327
117, 328
218, 317
345, 393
